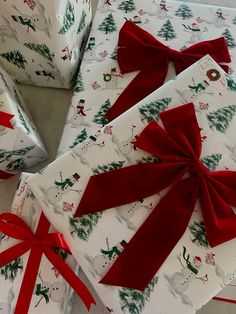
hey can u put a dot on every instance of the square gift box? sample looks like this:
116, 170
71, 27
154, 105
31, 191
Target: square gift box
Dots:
20, 144
91, 237
42, 41
51, 292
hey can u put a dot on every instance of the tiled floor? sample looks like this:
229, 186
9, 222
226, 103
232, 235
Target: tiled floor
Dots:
49, 108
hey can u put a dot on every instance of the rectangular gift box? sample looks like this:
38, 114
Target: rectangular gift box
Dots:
100, 71
62, 184
42, 41
52, 293
21, 146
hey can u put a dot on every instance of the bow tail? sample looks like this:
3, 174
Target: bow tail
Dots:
155, 239
70, 277
126, 185
28, 282
145, 82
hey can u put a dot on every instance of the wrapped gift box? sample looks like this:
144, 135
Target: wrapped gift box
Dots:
42, 41
21, 146
91, 236
99, 82
51, 292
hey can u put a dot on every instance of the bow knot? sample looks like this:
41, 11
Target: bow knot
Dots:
139, 51
198, 169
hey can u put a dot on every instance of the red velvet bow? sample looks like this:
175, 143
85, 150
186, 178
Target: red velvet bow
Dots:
5, 175
179, 145
5, 119
39, 243
138, 50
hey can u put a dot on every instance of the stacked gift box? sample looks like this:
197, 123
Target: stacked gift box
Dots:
165, 253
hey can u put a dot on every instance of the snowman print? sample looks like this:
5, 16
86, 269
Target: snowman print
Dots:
91, 49
179, 282
226, 278
78, 118
162, 9
102, 262
111, 79
126, 147
6, 307
219, 18
196, 32
106, 6
55, 193
54, 292
80, 150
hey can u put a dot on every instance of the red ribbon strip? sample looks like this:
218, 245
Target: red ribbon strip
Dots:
5, 119
179, 145
5, 175
42, 242
139, 51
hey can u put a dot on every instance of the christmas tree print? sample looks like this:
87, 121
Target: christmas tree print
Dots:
100, 117
184, 12
79, 138
23, 122
231, 84
108, 167
82, 22
6, 155
15, 57
221, 118
16, 165
133, 301
10, 271
127, 6
197, 229
148, 159
167, 31
78, 83
108, 25
18, 100
69, 18
212, 161
62, 253
41, 49
83, 227
229, 38
234, 20
113, 55
152, 110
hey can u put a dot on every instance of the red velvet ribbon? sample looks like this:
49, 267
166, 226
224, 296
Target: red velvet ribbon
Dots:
139, 51
179, 145
5, 119
42, 242
5, 175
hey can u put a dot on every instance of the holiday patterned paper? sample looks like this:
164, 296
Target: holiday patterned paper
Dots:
176, 24
92, 238
20, 147
228, 294
42, 41
51, 292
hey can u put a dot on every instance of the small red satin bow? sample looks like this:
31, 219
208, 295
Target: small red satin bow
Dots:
139, 51
39, 243
179, 146
5, 119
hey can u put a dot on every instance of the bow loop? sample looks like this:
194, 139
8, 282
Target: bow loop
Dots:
5, 119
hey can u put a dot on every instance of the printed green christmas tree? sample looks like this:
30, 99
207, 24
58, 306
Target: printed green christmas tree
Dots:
100, 117
211, 161
167, 31
108, 25
18, 99
16, 165
78, 83
127, 6
197, 229
69, 18
220, 119
83, 227
234, 20
62, 253
23, 122
148, 159
15, 57
41, 49
79, 138
6, 155
229, 38
10, 271
152, 110
231, 84
184, 12
82, 22
133, 301
113, 55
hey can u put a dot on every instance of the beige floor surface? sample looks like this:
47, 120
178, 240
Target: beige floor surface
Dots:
49, 108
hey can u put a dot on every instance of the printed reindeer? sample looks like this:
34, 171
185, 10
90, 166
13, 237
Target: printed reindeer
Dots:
53, 73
